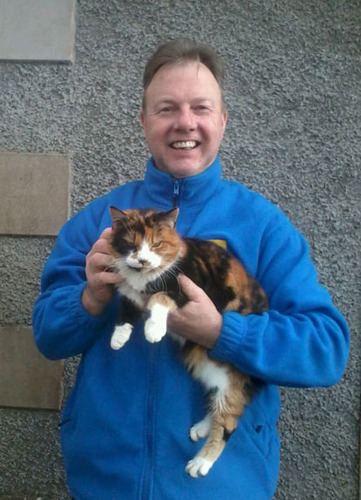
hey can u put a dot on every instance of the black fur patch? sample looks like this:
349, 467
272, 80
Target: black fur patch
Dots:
260, 300
129, 312
212, 391
227, 434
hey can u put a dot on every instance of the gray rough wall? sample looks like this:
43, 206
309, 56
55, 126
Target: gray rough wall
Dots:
293, 135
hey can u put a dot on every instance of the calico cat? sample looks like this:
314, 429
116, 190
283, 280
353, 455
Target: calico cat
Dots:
149, 254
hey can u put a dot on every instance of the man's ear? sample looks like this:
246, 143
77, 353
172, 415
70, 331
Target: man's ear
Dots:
142, 119
224, 119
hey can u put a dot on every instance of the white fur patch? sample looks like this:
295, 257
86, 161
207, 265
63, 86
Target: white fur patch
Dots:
156, 326
212, 375
132, 294
121, 335
145, 253
144, 256
133, 262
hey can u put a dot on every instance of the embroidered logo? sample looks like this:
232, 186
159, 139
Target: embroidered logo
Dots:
221, 243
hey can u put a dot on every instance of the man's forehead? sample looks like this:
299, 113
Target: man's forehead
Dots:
173, 70
171, 99
174, 80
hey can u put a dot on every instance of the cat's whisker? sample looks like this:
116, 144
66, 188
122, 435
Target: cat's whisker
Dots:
174, 271
110, 267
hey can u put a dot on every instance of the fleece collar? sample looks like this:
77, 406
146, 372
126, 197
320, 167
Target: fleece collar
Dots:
165, 190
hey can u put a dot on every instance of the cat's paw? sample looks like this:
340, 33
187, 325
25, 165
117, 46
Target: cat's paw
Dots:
198, 466
154, 330
120, 336
201, 429
156, 325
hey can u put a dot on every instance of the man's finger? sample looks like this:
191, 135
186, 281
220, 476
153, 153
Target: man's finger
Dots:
106, 233
189, 288
102, 245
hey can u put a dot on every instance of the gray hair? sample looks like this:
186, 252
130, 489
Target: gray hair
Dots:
180, 51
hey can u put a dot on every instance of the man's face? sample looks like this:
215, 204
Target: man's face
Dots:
183, 118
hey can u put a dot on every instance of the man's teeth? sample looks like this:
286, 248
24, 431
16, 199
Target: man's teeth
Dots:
184, 144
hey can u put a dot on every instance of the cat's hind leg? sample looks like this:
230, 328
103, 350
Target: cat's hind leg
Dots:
212, 449
227, 401
201, 429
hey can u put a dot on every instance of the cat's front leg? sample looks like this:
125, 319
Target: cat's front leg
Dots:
127, 316
121, 335
159, 306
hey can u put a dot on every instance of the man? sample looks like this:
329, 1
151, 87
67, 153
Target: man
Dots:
125, 426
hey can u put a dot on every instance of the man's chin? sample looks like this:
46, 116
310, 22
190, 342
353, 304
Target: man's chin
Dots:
186, 169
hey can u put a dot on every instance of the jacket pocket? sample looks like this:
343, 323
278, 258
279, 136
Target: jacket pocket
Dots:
260, 434
257, 426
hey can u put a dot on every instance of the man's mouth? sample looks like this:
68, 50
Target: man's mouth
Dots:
184, 144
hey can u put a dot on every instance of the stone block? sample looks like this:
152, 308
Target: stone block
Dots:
37, 30
27, 379
34, 193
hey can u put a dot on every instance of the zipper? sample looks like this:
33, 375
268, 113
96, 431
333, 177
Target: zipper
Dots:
154, 352
148, 477
176, 188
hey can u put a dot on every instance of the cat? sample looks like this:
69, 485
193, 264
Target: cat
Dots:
149, 254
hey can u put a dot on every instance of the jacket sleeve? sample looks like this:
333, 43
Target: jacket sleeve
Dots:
303, 340
62, 327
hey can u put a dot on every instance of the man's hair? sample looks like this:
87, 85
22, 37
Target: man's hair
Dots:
181, 51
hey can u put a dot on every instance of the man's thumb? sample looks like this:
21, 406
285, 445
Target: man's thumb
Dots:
188, 287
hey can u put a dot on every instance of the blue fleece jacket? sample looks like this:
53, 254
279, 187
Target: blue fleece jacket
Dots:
124, 429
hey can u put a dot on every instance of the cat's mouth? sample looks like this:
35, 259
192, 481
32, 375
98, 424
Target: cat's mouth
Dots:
184, 145
139, 267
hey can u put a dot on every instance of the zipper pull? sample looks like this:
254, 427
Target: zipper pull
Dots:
175, 192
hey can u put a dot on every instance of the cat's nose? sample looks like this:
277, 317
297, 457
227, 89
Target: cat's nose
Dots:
144, 262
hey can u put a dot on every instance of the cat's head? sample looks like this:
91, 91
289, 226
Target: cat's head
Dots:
144, 241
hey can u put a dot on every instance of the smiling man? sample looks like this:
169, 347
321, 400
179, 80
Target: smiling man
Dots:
124, 427
183, 124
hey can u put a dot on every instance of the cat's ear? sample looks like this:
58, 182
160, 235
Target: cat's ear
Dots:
118, 217
169, 218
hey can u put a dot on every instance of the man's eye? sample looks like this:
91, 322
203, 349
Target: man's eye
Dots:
201, 108
167, 109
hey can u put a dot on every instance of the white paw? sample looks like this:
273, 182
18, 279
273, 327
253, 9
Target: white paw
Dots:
198, 466
154, 330
121, 335
200, 430
156, 325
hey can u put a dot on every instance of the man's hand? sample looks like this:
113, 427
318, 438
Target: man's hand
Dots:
199, 319
101, 280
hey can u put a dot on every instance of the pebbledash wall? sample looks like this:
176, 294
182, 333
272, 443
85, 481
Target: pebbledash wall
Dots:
70, 76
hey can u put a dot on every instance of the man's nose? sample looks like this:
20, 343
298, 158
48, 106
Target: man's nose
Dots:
185, 120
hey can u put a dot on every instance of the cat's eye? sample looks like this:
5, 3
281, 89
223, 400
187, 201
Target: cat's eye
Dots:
129, 245
157, 245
